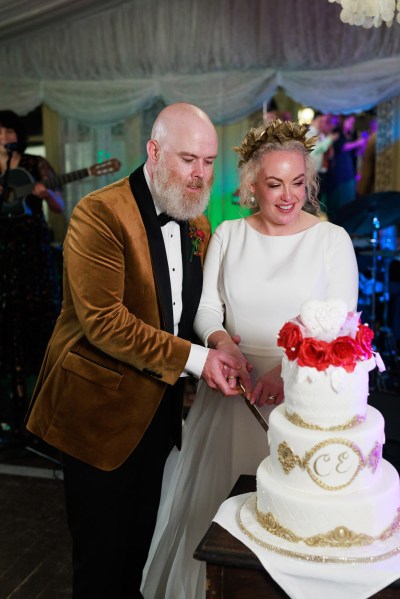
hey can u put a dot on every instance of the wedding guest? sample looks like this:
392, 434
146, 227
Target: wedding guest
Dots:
270, 111
366, 182
348, 123
109, 394
322, 127
258, 272
342, 172
30, 295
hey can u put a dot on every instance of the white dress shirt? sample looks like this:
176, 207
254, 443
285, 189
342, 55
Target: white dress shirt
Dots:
171, 233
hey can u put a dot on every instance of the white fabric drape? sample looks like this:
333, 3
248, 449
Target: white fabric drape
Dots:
20, 18
226, 56
101, 64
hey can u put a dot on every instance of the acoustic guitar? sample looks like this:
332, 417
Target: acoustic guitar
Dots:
20, 183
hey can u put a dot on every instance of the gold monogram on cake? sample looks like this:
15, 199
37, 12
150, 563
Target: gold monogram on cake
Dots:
332, 464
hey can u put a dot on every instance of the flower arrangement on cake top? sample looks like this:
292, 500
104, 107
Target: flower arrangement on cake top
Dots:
325, 334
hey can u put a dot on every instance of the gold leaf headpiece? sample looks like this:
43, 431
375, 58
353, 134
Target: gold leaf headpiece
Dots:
277, 132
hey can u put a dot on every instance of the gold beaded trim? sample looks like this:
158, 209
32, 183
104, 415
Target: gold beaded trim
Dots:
324, 559
341, 536
298, 421
290, 460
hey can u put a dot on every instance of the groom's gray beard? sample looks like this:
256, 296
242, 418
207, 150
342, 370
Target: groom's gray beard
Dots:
173, 199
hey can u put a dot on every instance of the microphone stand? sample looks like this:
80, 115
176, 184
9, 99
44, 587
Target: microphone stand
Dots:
376, 380
384, 338
374, 242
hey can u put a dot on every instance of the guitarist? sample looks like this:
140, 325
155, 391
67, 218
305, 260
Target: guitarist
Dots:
28, 283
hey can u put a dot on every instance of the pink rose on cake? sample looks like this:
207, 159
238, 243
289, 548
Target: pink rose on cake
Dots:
364, 336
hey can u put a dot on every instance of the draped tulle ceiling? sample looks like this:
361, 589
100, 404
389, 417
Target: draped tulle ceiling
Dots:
107, 66
102, 61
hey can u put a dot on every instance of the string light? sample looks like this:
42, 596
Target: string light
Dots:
369, 13
305, 116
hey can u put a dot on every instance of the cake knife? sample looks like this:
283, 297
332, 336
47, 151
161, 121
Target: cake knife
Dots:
253, 408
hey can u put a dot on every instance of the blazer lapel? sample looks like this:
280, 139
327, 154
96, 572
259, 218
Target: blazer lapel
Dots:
148, 213
191, 284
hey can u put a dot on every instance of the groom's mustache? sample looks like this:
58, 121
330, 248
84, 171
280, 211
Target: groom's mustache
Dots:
198, 183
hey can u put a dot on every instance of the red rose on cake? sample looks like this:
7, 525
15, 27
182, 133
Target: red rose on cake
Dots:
344, 352
290, 339
325, 334
314, 353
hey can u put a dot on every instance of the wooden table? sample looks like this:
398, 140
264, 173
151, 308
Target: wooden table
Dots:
234, 571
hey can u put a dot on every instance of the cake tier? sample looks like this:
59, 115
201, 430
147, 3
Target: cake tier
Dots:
329, 398
323, 462
353, 519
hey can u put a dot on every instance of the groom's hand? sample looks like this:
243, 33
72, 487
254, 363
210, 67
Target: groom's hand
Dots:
217, 363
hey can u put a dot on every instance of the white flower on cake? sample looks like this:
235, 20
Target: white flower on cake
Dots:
324, 319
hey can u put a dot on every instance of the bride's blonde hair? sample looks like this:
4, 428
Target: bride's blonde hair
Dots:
276, 135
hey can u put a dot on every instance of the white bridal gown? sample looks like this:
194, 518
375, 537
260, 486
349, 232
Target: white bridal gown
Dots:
253, 283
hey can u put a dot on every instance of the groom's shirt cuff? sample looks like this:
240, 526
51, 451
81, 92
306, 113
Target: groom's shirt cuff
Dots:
196, 360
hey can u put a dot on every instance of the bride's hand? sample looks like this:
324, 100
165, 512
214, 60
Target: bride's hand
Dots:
269, 388
236, 377
237, 339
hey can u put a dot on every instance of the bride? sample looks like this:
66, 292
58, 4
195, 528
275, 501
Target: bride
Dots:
258, 272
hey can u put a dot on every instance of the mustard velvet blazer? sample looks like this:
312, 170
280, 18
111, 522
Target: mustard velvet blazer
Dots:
113, 352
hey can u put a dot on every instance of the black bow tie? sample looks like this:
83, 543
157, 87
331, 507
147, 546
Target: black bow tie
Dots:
165, 218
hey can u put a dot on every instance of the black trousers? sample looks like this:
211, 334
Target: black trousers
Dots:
112, 515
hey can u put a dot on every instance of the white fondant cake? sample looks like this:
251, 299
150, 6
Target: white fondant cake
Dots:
332, 398
325, 483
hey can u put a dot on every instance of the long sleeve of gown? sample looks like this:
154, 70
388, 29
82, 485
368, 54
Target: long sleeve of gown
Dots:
342, 279
211, 311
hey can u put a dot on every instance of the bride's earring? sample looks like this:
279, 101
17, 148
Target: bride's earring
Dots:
253, 202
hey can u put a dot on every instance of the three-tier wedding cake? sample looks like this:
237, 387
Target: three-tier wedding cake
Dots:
325, 484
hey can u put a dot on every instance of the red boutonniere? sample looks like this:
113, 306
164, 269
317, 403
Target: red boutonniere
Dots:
197, 237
